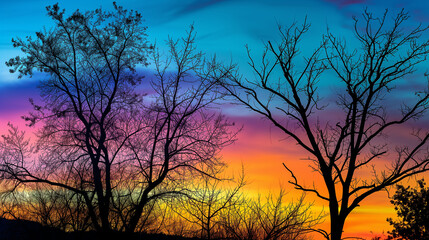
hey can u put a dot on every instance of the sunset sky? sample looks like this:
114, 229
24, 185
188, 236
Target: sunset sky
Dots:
223, 28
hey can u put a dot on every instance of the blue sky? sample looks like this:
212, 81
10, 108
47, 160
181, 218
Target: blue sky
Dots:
223, 26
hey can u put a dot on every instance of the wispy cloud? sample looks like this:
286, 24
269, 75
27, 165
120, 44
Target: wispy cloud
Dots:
196, 5
343, 3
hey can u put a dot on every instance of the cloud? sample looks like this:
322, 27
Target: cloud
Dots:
14, 98
14, 103
344, 3
196, 5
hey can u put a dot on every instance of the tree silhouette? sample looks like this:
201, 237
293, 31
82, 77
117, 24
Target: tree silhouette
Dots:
98, 139
269, 218
90, 59
412, 208
345, 145
208, 198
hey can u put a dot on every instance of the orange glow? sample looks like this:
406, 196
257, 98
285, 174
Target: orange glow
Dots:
262, 153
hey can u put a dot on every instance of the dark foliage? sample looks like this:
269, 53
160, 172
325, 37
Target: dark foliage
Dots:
29, 230
412, 208
22, 229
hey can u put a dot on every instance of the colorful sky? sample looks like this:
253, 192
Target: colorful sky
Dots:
223, 28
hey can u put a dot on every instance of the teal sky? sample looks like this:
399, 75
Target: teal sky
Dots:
223, 27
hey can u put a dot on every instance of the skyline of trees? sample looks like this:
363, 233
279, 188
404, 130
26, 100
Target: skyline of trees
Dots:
109, 158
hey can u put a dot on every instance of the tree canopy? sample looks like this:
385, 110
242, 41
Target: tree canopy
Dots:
113, 152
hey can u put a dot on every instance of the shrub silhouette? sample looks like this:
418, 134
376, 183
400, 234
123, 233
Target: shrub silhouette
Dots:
412, 208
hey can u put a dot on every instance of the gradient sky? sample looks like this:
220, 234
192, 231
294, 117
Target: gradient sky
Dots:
223, 28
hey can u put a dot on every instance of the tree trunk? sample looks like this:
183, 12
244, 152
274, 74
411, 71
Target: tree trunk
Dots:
337, 225
208, 228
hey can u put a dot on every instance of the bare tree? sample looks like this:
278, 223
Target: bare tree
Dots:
99, 140
90, 59
207, 199
11, 203
55, 207
185, 134
343, 146
269, 218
